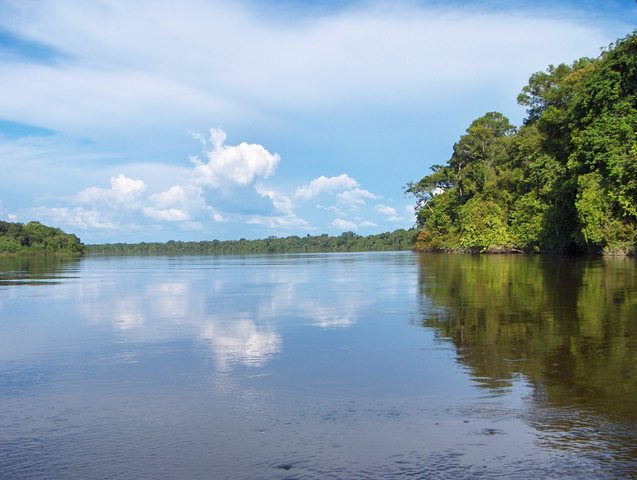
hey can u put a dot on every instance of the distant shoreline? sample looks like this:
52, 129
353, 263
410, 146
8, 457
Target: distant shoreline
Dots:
398, 240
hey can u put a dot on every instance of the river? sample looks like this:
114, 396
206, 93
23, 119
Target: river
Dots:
318, 366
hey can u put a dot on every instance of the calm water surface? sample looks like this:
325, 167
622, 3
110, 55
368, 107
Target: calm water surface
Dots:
382, 365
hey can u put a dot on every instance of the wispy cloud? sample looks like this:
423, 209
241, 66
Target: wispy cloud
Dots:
170, 62
115, 84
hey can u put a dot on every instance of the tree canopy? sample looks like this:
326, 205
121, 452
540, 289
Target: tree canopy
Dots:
34, 238
566, 180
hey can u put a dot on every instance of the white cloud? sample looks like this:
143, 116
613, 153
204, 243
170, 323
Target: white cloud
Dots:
332, 208
323, 185
240, 341
389, 212
239, 164
124, 193
283, 203
78, 217
177, 204
355, 198
228, 177
167, 214
385, 210
341, 224
152, 71
176, 195
287, 222
367, 223
222, 190
112, 99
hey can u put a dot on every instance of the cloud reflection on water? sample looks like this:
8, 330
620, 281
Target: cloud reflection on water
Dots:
236, 314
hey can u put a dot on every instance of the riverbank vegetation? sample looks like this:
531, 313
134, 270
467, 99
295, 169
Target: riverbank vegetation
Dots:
565, 181
35, 238
347, 242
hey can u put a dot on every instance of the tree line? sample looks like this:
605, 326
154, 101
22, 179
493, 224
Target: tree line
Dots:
564, 181
347, 242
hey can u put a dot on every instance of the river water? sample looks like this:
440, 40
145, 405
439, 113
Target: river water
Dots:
318, 366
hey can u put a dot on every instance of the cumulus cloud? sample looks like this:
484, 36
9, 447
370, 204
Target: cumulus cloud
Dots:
385, 210
240, 164
230, 187
124, 192
281, 202
220, 189
177, 204
323, 185
138, 90
346, 189
355, 198
389, 212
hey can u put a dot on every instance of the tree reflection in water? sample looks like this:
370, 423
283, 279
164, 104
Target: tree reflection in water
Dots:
37, 270
566, 325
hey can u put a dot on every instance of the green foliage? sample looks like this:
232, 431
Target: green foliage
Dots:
526, 217
9, 245
483, 226
591, 210
347, 242
36, 238
564, 181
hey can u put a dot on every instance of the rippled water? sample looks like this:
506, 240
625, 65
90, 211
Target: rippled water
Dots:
381, 365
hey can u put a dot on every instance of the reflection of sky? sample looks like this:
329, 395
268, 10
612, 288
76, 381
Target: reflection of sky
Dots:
240, 341
235, 307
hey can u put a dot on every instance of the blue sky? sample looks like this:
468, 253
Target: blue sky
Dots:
157, 120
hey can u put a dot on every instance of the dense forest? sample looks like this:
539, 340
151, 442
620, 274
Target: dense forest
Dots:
564, 181
36, 238
346, 242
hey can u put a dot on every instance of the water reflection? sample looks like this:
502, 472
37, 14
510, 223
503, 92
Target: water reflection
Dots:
318, 366
37, 270
568, 326
240, 342
233, 307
